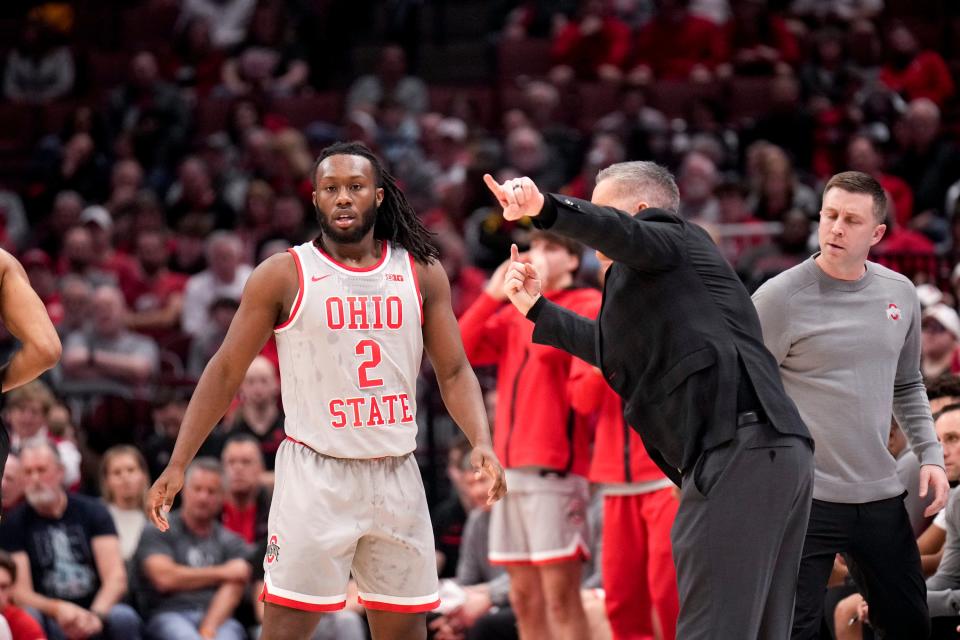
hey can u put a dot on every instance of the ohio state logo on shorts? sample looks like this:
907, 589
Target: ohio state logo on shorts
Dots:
273, 551
893, 311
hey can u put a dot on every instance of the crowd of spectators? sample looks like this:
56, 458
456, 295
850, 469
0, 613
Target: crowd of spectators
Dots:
153, 187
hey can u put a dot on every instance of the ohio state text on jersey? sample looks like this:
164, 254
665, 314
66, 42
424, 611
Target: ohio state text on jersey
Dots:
350, 353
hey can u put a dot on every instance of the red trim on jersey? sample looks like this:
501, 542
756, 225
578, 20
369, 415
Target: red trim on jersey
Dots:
302, 444
579, 554
300, 285
296, 604
383, 256
399, 608
416, 284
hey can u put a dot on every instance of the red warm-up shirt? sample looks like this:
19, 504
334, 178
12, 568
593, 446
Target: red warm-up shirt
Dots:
618, 452
535, 422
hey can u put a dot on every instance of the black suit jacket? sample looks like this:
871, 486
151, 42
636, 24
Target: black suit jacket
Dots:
673, 321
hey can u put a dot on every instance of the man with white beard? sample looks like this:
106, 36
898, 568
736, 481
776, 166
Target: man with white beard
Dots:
65, 546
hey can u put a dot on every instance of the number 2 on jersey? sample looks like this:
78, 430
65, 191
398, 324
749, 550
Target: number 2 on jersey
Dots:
372, 361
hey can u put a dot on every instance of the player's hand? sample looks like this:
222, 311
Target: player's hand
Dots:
521, 283
161, 495
484, 460
933, 476
519, 197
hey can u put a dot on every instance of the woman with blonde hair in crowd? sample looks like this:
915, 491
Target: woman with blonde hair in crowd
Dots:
123, 484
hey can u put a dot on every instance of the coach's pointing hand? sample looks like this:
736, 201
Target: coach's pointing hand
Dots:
519, 197
521, 283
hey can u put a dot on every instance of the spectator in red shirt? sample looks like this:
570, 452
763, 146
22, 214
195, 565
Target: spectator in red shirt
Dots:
121, 267
22, 625
246, 503
863, 155
759, 41
594, 45
912, 71
195, 64
466, 281
676, 45
157, 302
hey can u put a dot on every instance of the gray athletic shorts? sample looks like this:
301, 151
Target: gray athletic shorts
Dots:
541, 520
334, 516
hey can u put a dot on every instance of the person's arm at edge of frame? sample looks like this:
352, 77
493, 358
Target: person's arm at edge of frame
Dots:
912, 411
254, 322
25, 317
458, 382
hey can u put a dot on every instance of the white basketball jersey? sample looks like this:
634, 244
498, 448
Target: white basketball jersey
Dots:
350, 353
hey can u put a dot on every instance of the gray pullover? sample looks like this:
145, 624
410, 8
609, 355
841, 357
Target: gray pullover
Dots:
849, 353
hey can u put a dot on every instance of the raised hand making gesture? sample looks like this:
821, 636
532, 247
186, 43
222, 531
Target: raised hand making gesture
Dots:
522, 282
519, 197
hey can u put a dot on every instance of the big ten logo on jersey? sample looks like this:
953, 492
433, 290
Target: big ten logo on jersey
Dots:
363, 312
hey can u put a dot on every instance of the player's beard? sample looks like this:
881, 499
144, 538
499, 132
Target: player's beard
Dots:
350, 236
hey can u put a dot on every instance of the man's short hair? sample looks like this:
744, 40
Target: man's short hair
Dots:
655, 184
950, 408
859, 182
573, 247
42, 444
203, 463
243, 438
946, 386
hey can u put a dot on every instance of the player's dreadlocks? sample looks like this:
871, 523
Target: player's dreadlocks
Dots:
396, 219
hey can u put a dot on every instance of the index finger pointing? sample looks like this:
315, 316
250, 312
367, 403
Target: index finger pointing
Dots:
514, 253
495, 188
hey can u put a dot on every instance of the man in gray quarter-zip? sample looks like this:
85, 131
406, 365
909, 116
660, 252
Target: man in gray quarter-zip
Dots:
846, 333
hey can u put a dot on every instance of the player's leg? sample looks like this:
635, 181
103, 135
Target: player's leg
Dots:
526, 599
389, 625
395, 564
509, 547
285, 623
556, 521
316, 509
561, 595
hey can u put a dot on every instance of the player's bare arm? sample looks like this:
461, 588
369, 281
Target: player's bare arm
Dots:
25, 317
458, 383
267, 299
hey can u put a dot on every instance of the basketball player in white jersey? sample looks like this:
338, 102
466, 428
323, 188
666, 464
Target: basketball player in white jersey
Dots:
352, 312
25, 317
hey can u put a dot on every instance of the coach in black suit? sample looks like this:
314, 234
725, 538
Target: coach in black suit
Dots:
679, 340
